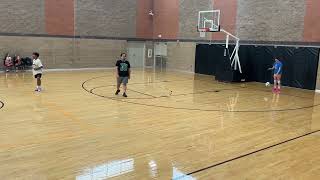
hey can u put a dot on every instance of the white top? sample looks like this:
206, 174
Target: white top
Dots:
36, 64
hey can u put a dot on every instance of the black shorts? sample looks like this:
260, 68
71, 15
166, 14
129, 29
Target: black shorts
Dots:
38, 76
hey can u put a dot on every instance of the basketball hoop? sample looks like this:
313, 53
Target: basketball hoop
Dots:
209, 21
204, 29
203, 32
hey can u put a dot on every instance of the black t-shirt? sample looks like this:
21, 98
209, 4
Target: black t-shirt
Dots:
123, 68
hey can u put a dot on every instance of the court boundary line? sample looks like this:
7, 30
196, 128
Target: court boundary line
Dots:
156, 97
113, 85
1, 104
261, 90
193, 109
202, 92
248, 154
228, 160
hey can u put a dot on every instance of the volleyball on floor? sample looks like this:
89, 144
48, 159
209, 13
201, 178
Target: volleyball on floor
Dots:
267, 84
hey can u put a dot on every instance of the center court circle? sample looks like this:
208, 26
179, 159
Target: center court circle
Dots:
1, 104
229, 98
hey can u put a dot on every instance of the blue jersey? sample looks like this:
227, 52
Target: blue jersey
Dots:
278, 67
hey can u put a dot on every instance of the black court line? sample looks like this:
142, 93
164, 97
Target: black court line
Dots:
155, 97
261, 90
245, 155
214, 110
198, 109
152, 97
1, 104
143, 93
113, 85
92, 79
194, 109
143, 83
91, 91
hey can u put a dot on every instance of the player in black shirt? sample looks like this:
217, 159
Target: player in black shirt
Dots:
123, 73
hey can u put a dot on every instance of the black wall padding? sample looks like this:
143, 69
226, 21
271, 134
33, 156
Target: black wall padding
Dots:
224, 72
300, 65
206, 53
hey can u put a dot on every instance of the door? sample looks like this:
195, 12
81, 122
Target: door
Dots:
136, 54
160, 52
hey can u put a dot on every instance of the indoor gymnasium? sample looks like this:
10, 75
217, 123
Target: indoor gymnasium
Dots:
159, 89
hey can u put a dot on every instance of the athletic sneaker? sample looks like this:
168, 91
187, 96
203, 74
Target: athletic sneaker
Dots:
117, 92
125, 95
38, 89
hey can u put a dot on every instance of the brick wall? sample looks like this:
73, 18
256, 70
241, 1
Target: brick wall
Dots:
311, 21
228, 17
256, 20
188, 16
110, 18
65, 52
252, 20
261, 20
166, 19
144, 22
59, 16
22, 16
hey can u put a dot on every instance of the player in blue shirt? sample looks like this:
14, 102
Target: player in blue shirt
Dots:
277, 71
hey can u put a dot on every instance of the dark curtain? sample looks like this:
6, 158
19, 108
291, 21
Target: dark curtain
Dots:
300, 65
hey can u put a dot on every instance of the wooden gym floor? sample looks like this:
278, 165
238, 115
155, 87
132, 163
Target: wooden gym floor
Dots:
172, 126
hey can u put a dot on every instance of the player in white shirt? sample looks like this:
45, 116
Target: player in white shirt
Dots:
37, 69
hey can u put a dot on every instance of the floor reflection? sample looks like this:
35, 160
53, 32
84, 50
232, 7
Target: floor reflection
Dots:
153, 169
179, 175
108, 170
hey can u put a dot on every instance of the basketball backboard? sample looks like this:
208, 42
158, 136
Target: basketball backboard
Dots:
209, 21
